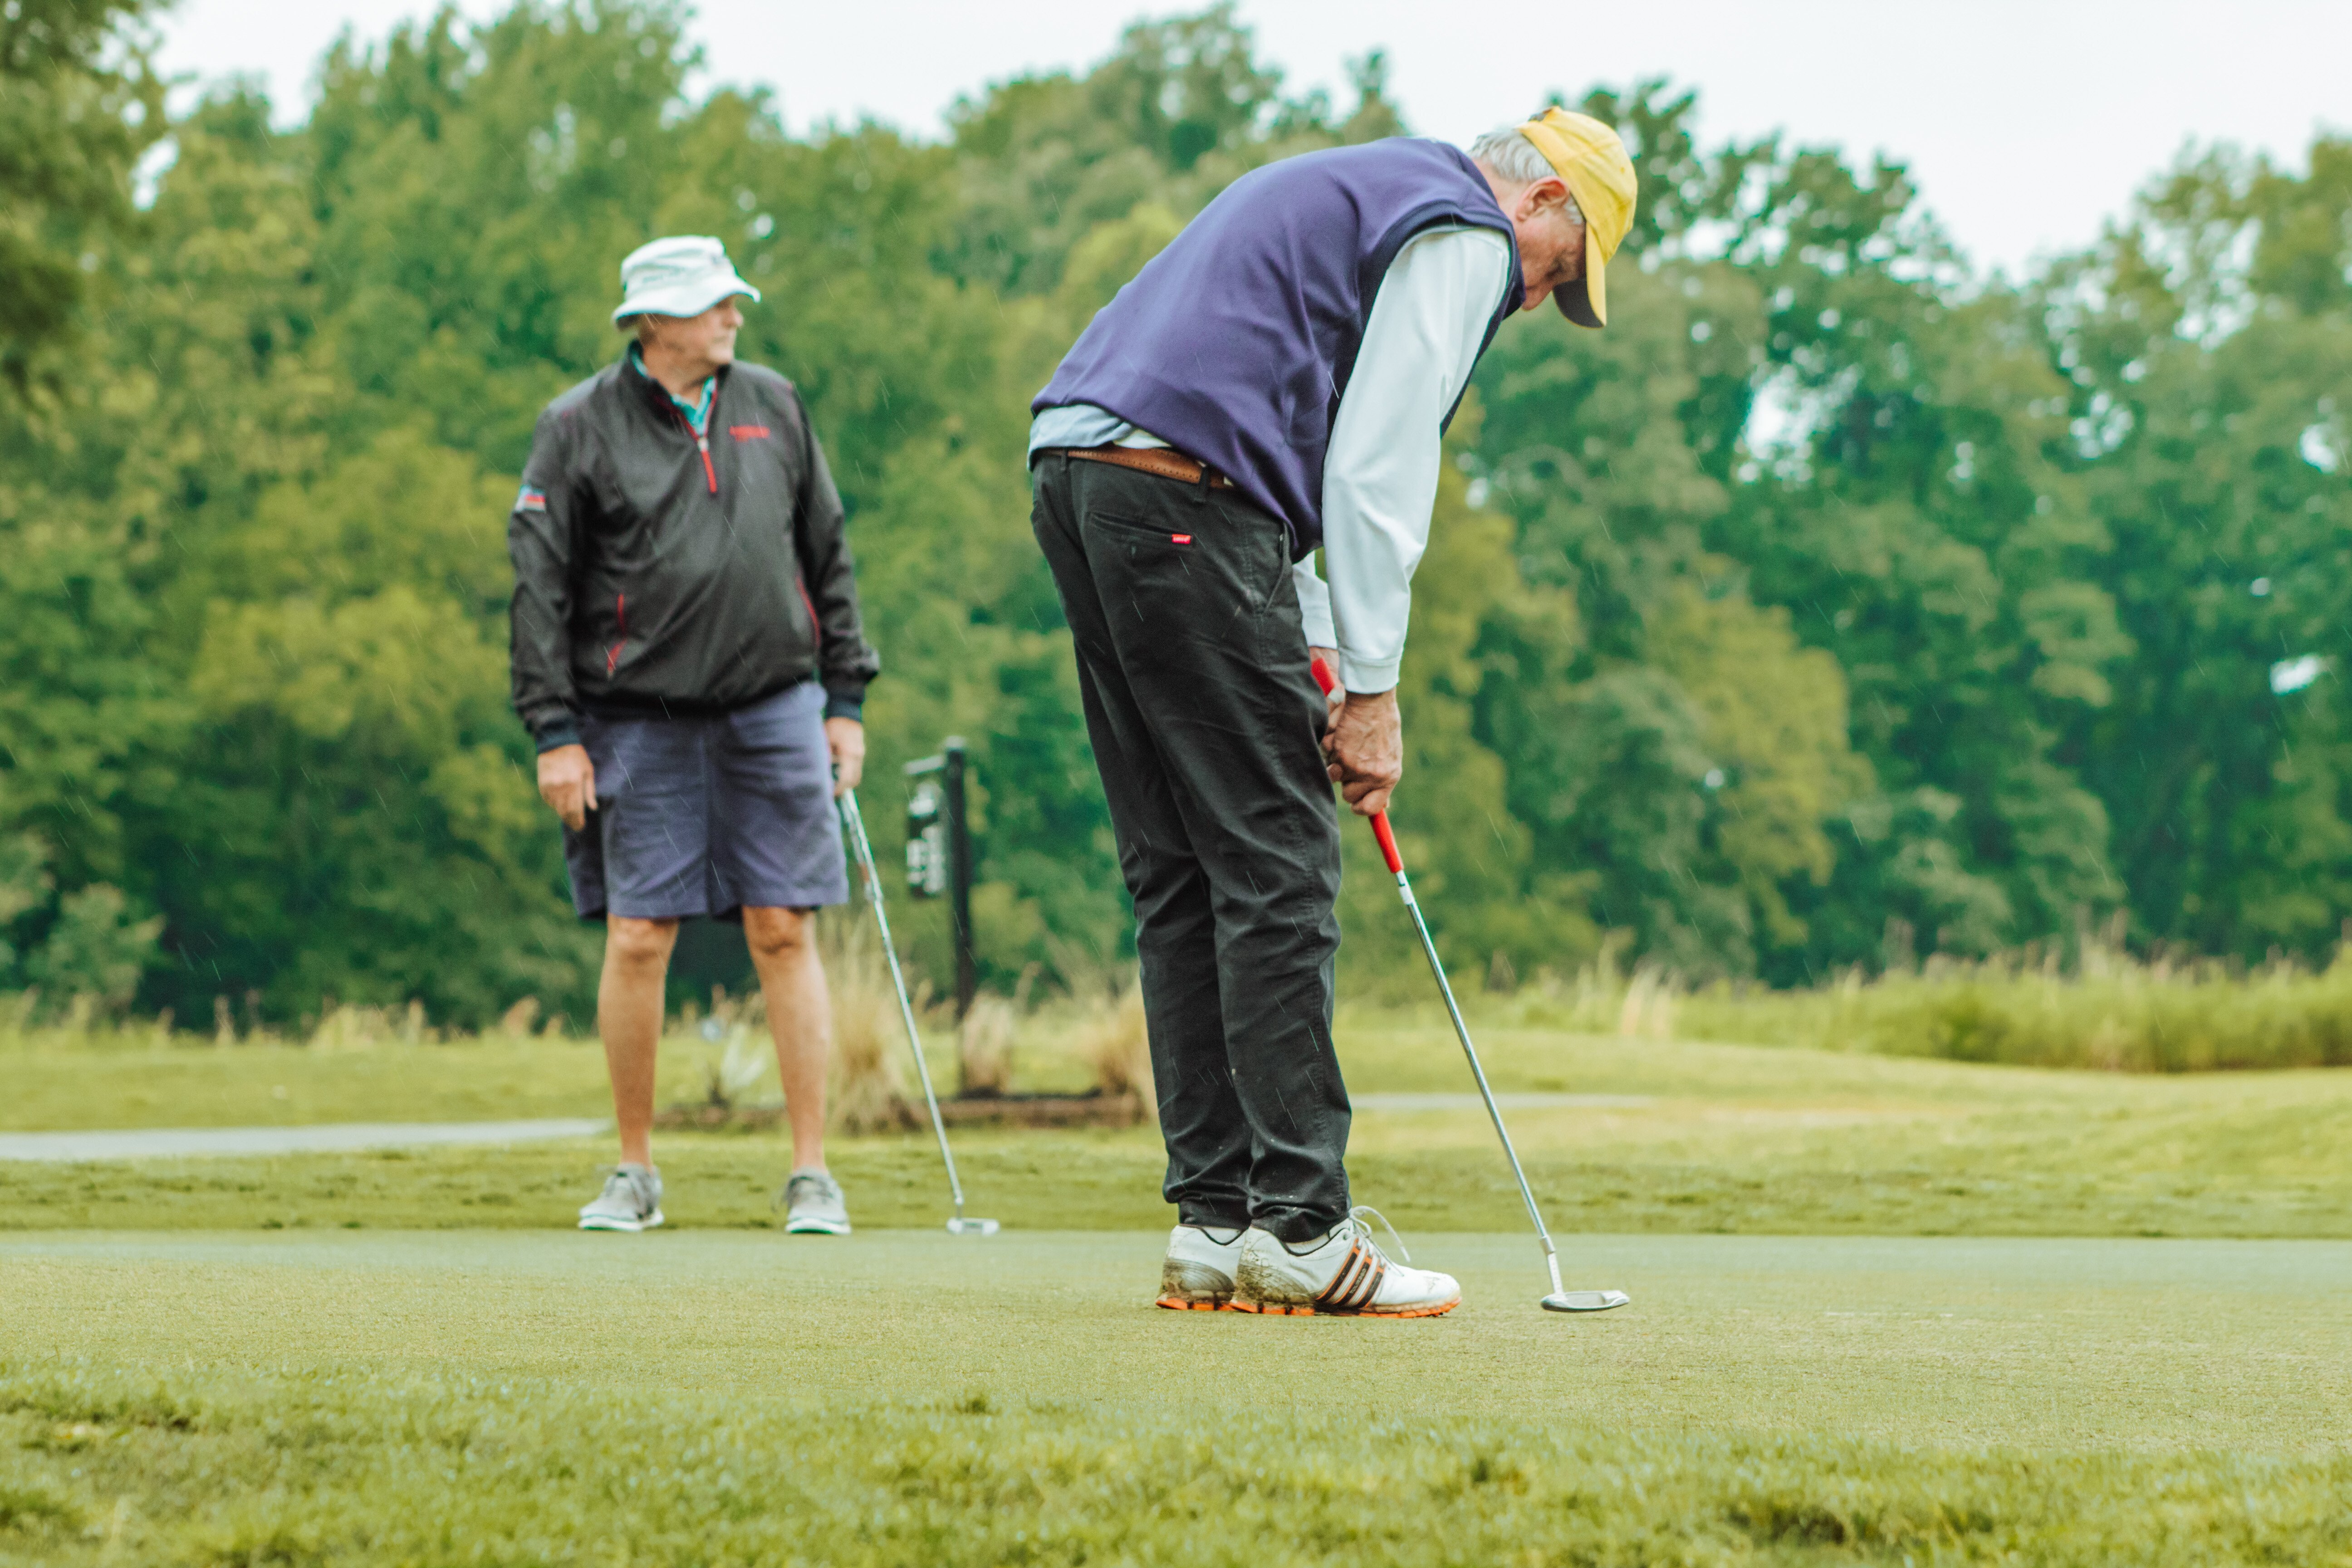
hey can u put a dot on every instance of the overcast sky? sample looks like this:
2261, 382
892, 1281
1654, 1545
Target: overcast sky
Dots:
2026, 121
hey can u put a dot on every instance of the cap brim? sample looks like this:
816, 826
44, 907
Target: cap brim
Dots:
691, 300
1586, 301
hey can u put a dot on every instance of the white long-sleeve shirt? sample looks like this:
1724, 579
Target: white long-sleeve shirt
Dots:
1380, 471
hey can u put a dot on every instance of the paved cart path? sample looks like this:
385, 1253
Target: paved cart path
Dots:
334, 1138
164, 1143
1507, 1101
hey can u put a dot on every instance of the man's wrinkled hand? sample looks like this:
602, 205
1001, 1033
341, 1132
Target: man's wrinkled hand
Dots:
845, 738
567, 781
1365, 748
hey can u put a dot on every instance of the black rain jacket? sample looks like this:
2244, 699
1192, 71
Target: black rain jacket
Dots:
659, 574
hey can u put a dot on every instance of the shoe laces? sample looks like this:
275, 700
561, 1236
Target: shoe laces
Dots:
1359, 1226
638, 1186
826, 1187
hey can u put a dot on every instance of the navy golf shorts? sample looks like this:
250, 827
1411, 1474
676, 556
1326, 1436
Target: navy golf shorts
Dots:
703, 816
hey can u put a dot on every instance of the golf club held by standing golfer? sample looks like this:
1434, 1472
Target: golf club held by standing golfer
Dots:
1561, 1299
864, 850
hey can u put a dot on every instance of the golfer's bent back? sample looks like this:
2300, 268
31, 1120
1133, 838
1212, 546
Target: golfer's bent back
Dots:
689, 655
1276, 381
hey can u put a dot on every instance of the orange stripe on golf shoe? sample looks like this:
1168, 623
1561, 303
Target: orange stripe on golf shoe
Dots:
1334, 1294
1356, 1283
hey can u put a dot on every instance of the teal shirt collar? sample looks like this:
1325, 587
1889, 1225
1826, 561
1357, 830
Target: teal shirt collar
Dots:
697, 413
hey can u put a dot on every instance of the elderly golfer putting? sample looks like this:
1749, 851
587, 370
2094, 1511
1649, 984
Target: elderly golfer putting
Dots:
1278, 380
688, 657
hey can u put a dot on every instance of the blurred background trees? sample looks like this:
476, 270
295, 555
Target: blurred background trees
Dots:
1836, 606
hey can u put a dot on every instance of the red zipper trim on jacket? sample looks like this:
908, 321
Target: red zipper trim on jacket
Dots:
620, 613
816, 630
701, 445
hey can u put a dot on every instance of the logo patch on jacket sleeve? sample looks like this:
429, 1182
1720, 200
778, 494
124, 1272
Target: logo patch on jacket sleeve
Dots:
530, 499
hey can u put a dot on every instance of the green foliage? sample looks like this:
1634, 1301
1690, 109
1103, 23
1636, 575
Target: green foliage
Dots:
80, 100
1687, 753
25, 885
96, 949
1834, 605
2213, 397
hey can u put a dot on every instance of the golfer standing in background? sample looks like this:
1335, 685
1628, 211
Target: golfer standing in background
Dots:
1276, 381
688, 657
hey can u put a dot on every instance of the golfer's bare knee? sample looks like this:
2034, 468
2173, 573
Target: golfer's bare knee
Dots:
778, 934
637, 944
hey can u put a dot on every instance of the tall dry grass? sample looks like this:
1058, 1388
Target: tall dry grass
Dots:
2107, 1010
1114, 1040
984, 1043
867, 1088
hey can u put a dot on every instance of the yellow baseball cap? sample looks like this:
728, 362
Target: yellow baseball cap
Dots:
1592, 162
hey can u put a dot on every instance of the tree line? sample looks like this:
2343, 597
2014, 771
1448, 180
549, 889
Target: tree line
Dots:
1839, 604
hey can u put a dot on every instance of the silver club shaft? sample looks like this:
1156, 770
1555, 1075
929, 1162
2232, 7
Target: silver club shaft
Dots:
864, 850
1461, 1033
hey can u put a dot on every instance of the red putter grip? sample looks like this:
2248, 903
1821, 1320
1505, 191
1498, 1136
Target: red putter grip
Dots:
1381, 829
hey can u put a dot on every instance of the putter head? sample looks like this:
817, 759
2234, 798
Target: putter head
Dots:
1585, 1300
961, 1227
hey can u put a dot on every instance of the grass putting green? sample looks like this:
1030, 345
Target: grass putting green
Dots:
722, 1398
269, 1360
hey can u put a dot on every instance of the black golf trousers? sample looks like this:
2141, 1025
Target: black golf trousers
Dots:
1207, 728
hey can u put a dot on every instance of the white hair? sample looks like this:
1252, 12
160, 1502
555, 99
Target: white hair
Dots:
1508, 152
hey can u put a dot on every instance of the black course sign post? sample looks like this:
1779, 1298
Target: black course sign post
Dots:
939, 852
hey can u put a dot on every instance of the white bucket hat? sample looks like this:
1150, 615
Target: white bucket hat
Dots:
679, 275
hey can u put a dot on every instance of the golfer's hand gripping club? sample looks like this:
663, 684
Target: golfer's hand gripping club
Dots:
1380, 819
1363, 742
1561, 1299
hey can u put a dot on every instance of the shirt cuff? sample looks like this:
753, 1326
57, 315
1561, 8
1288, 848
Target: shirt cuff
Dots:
850, 705
1369, 679
557, 733
1314, 606
1316, 621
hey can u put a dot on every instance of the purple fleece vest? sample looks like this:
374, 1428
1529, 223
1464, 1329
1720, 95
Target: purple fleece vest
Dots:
1234, 343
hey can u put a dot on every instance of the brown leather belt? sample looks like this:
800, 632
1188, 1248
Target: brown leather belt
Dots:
1165, 461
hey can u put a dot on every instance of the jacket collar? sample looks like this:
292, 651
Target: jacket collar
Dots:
655, 395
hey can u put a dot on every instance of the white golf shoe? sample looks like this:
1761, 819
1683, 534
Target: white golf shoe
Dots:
631, 1200
1197, 1275
813, 1205
1342, 1274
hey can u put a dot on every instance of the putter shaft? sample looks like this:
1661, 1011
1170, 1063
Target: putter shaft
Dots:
864, 850
1387, 836
1461, 1033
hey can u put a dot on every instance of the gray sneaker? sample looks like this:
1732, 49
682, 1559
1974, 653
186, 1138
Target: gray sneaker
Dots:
631, 1200
814, 1206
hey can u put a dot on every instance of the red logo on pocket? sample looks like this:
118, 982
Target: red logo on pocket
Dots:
748, 432
1179, 538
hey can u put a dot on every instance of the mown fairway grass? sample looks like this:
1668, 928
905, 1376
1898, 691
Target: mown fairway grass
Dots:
1734, 1138
722, 1398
